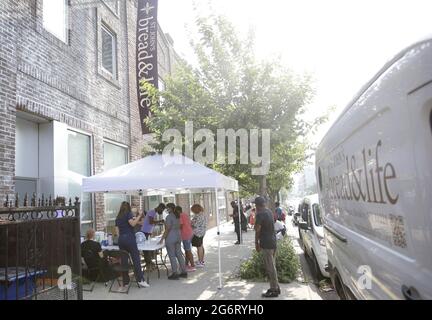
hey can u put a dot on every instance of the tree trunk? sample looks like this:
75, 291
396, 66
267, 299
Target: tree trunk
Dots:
272, 200
263, 186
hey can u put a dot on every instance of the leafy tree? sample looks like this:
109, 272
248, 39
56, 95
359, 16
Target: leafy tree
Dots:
230, 88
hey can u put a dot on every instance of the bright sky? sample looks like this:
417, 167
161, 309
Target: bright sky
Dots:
342, 42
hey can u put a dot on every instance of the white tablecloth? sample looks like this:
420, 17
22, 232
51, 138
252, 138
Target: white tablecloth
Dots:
148, 245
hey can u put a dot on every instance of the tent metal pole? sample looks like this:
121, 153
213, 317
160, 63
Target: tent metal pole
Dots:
218, 235
240, 217
81, 203
140, 202
190, 202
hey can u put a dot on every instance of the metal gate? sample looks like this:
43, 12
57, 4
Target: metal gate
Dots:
40, 254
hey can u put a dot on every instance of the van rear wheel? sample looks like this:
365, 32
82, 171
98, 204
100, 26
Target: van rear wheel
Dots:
337, 284
342, 291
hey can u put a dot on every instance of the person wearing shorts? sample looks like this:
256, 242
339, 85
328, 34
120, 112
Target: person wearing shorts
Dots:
186, 236
199, 227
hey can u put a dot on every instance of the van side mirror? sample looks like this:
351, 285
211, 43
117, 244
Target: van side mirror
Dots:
303, 225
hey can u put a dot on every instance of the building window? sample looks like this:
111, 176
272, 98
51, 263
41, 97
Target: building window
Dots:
109, 48
113, 5
114, 156
79, 166
55, 18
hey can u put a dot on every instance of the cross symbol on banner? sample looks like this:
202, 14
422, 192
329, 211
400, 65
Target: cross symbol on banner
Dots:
148, 8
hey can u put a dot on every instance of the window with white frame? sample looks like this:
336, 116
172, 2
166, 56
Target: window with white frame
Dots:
113, 5
79, 166
55, 18
109, 48
114, 156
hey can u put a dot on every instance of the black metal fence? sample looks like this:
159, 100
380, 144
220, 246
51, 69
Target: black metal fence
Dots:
40, 254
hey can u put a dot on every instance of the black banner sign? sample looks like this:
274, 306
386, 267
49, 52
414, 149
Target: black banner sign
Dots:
146, 54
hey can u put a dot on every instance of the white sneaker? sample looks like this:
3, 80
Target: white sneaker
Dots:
144, 284
123, 289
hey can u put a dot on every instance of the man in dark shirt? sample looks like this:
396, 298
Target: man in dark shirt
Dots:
265, 241
235, 216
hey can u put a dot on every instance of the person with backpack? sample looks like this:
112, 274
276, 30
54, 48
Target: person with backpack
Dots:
278, 212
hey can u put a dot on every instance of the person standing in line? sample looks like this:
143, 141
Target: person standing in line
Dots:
125, 223
236, 217
252, 218
186, 236
172, 237
150, 220
147, 228
265, 241
199, 227
243, 218
278, 211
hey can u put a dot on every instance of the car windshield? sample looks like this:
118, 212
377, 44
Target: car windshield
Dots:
317, 214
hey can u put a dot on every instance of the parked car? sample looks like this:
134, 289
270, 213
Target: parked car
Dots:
311, 234
374, 178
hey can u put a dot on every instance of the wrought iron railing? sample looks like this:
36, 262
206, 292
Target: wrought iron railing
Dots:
40, 255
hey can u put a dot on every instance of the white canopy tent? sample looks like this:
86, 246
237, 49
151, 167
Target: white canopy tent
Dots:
163, 175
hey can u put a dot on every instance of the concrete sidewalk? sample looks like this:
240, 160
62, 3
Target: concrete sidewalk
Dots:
203, 283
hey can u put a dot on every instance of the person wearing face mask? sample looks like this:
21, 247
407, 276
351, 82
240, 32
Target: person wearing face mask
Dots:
172, 237
125, 223
150, 220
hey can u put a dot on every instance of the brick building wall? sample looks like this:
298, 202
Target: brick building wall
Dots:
44, 76
8, 35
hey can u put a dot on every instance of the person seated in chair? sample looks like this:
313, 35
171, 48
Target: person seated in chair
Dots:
91, 251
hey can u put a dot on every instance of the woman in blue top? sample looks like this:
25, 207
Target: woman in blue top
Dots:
125, 224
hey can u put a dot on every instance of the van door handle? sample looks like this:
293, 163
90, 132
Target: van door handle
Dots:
410, 293
336, 234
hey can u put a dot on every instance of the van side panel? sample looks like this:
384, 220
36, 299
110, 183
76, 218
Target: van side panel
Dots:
420, 106
369, 186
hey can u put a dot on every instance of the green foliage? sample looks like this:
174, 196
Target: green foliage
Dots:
230, 88
287, 264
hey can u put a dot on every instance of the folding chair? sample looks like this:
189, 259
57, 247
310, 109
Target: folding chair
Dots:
89, 270
140, 239
115, 258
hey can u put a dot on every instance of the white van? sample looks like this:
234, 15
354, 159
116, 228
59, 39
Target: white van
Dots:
374, 173
311, 235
